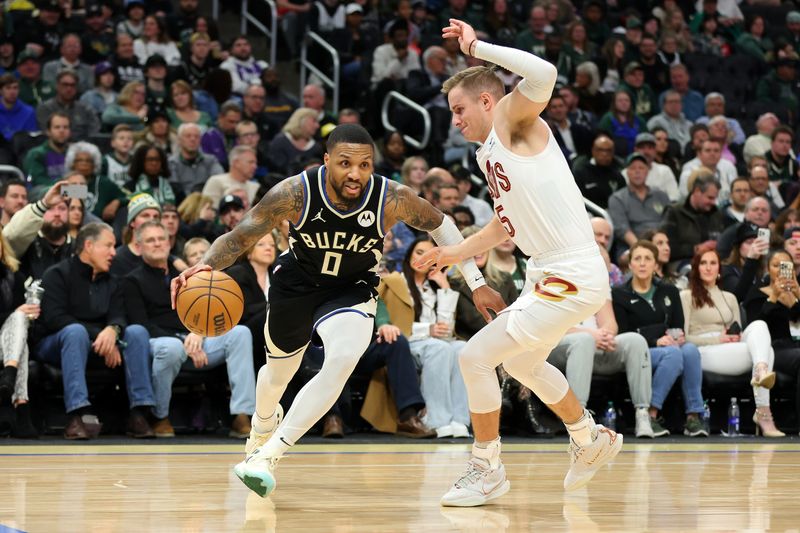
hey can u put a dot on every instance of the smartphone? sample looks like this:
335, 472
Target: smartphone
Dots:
786, 270
76, 190
763, 234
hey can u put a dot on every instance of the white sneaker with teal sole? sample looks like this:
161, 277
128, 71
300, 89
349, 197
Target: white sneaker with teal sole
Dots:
478, 485
587, 460
256, 472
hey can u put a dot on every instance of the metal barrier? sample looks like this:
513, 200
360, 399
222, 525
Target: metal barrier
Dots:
271, 32
426, 118
596, 210
11, 169
306, 65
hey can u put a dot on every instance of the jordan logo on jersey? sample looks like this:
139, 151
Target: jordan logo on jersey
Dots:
495, 176
366, 219
318, 216
543, 288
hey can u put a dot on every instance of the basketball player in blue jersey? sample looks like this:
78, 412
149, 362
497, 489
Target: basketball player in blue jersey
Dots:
538, 205
323, 288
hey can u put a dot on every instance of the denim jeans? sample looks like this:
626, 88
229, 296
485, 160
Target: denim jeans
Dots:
441, 382
235, 349
669, 362
70, 349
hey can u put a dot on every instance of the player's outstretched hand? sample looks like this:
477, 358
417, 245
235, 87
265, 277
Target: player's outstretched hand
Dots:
486, 298
438, 257
176, 283
463, 32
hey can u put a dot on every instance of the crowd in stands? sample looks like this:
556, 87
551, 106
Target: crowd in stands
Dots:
143, 136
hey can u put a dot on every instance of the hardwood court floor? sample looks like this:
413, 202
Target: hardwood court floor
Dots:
368, 488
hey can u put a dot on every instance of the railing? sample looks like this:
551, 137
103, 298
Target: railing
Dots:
596, 210
11, 169
306, 65
426, 118
271, 32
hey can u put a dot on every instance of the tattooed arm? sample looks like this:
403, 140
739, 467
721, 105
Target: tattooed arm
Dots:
403, 205
283, 201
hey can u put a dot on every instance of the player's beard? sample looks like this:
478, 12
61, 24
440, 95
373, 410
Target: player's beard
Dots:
347, 201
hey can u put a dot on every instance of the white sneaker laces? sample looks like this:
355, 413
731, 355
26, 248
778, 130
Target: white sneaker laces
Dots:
474, 473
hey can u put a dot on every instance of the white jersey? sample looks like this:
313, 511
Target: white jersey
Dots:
536, 198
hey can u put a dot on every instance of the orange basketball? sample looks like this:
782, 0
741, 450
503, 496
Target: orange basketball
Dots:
210, 303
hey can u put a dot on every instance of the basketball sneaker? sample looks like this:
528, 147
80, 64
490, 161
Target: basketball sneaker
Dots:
587, 460
478, 485
256, 472
256, 439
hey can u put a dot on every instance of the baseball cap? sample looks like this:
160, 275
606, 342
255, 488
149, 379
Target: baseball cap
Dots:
353, 8
634, 157
27, 54
129, 4
228, 202
633, 23
50, 5
633, 65
793, 17
94, 10
102, 67
155, 60
745, 231
644, 138
791, 233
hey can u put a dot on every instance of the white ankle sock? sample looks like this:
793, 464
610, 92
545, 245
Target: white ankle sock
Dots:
581, 431
489, 451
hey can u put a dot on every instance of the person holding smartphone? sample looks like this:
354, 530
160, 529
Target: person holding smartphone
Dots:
713, 323
776, 301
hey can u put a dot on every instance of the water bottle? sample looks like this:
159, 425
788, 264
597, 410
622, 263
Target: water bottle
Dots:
733, 418
610, 417
706, 417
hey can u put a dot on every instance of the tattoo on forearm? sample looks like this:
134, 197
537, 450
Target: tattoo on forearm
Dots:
285, 200
403, 203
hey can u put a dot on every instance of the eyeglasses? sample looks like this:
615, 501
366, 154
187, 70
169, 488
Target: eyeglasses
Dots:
256, 96
83, 160
249, 134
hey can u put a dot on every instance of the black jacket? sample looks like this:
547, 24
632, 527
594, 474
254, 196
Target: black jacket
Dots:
255, 303
633, 313
686, 228
468, 319
71, 296
739, 281
776, 315
148, 301
41, 255
597, 183
12, 292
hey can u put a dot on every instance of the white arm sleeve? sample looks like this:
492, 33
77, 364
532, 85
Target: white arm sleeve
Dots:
447, 235
539, 76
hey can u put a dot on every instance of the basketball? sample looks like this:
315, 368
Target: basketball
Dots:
210, 303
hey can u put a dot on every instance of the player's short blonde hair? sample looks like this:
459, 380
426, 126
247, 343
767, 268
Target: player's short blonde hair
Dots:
476, 80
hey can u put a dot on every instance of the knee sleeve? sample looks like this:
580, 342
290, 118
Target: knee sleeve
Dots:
533, 371
345, 337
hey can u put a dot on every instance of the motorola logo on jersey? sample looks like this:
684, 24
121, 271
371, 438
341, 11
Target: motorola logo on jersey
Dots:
543, 288
366, 219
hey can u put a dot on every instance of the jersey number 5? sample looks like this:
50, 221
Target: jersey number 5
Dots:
331, 263
509, 227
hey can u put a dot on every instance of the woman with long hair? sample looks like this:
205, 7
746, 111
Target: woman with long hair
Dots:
587, 83
103, 94
413, 171
296, 141
183, 108
776, 301
15, 317
412, 298
155, 40
744, 265
149, 173
130, 107
196, 207
612, 63
713, 323
663, 271
621, 122
75, 216
394, 155
652, 308
253, 275
754, 40
577, 47
663, 153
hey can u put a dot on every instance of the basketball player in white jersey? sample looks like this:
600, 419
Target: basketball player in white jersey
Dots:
538, 205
